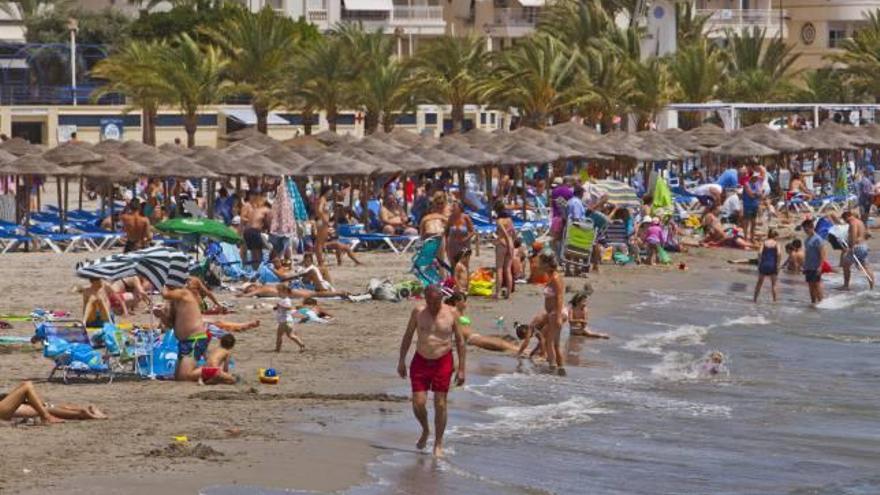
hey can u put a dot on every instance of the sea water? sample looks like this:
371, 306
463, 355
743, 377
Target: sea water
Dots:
794, 409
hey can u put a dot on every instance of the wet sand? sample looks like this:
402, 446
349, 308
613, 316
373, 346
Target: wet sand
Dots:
258, 439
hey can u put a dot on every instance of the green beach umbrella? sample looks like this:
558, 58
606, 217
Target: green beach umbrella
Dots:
200, 227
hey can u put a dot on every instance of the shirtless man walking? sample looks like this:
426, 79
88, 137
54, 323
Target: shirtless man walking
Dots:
857, 249
436, 327
136, 227
255, 221
189, 328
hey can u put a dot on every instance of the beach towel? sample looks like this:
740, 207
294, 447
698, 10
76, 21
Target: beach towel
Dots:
663, 201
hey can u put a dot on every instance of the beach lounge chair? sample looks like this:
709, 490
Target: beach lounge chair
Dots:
58, 242
577, 245
228, 257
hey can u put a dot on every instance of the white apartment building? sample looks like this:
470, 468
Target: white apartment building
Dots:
499, 21
408, 20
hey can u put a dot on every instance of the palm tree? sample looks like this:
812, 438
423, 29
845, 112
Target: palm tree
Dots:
689, 25
385, 91
539, 77
192, 76
259, 47
132, 71
449, 72
577, 23
322, 78
860, 56
652, 89
758, 68
697, 71
27, 9
610, 80
826, 85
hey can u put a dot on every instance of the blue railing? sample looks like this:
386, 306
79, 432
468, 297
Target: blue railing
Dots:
24, 94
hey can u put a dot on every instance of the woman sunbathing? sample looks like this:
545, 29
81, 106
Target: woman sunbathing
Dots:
23, 402
284, 290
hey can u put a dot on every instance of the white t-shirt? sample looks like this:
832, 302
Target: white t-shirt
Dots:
707, 189
732, 206
284, 312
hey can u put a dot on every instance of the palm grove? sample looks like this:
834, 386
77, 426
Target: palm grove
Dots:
578, 62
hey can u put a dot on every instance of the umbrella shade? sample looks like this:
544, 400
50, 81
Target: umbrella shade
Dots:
37, 165
6, 157
291, 161
335, 164
202, 227
134, 147
436, 158
590, 150
382, 166
160, 265
743, 147
115, 167
259, 142
708, 135
213, 160
176, 149
522, 152
572, 129
779, 142
180, 166
258, 164
251, 135
462, 150
107, 145
240, 150
619, 194
332, 138
20, 147
375, 145
71, 154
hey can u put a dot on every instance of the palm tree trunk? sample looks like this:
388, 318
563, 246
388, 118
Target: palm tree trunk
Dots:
371, 122
457, 118
307, 115
262, 114
388, 122
190, 124
148, 126
332, 113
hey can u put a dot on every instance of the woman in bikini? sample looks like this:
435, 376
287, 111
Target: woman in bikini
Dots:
323, 209
459, 231
24, 402
505, 233
554, 307
433, 224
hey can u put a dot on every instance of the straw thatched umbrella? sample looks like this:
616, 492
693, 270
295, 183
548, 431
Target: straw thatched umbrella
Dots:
31, 165
436, 158
20, 147
406, 138
743, 147
626, 145
475, 156
331, 138
372, 144
71, 154
180, 166
588, 150
6, 156
337, 165
258, 164
107, 146
259, 142
708, 135
132, 147
382, 166
573, 130
213, 160
291, 161
176, 149
240, 150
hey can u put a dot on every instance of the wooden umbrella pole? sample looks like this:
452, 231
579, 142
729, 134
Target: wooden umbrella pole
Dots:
81, 187
60, 201
522, 176
66, 199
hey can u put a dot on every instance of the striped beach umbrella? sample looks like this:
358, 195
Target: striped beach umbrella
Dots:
619, 194
160, 265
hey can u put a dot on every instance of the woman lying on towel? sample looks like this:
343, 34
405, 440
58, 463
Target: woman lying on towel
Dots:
23, 402
715, 236
285, 290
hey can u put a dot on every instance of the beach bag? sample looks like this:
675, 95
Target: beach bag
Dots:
483, 288
55, 347
382, 290
85, 354
621, 259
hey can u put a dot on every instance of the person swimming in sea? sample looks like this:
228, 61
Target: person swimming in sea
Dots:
713, 364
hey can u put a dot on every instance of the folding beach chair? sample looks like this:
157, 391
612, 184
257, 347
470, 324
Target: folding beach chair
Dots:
228, 257
69, 346
577, 244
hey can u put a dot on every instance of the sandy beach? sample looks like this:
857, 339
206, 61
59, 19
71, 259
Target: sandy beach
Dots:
249, 432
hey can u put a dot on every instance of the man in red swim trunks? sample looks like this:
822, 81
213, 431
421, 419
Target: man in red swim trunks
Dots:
436, 325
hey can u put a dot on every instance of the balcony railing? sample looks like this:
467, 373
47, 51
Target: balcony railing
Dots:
517, 17
739, 19
317, 15
418, 13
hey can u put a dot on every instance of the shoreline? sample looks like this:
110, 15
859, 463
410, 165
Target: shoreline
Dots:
263, 440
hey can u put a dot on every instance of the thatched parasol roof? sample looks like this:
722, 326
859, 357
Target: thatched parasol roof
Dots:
107, 145
71, 154
257, 164
176, 149
743, 147
248, 134
240, 150
522, 152
382, 166
331, 138
136, 147
20, 147
6, 156
336, 164
37, 165
460, 149
286, 158
708, 135
436, 158
179, 166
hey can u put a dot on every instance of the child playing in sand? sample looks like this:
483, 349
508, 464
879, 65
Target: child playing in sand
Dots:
520, 260
284, 316
579, 316
525, 332
312, 312
216, 368
795, 261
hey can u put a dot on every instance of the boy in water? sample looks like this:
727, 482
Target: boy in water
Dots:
216, 368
